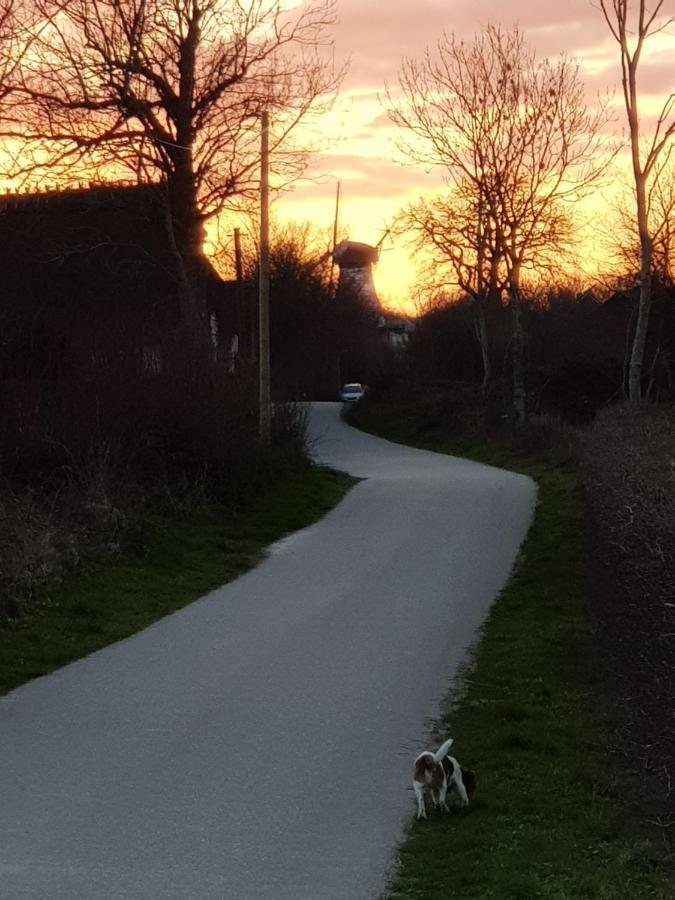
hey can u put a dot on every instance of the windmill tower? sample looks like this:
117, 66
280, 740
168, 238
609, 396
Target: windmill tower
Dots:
355, 261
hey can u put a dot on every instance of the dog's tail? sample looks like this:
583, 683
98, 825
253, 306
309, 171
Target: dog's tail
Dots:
442, 751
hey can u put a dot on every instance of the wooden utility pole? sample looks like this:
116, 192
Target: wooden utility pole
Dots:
264, 289
335, 234
238, 262
239, 293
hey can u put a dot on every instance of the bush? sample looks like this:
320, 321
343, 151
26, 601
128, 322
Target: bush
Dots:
548, 436
628, 466
416, 409
82, 460
629, 472
51, 525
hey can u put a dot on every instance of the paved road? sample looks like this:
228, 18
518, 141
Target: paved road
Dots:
257, 745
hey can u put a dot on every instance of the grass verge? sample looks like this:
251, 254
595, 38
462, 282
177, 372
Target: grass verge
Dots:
548, 819
179, 560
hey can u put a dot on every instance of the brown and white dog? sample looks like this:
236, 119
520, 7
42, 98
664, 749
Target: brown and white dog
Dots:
439, 772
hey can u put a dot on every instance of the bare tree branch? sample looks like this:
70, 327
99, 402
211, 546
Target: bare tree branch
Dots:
173, 89
617, 15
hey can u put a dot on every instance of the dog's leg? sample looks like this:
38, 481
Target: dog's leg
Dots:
443, 791
419, 793
459, 781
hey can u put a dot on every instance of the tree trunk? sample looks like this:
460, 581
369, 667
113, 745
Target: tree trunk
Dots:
518, 348
642, 325
640, 176
185, 243
186, 235
484, 341
185, 219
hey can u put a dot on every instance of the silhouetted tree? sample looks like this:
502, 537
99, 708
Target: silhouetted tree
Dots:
458, 232
631, 42
302, 326
515, 136
622, 238
172, 89
16, 19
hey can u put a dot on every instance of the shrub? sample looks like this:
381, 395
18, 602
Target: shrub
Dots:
82, 459
548, 436
628, 466
629, 471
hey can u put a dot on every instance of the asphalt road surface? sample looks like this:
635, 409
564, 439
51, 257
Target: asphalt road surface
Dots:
258, 744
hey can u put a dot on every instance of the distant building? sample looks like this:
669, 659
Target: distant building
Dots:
356, 272
88, 274
356, 261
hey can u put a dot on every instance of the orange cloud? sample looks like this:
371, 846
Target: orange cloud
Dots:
363, 156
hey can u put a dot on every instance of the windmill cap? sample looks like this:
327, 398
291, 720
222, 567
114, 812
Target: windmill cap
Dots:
354, 255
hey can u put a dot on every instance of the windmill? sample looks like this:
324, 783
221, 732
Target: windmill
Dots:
355, 261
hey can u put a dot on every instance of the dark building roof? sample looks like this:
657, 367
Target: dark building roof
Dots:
95, 256
89, 276
92, 261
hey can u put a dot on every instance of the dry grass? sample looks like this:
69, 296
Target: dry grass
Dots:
49, 527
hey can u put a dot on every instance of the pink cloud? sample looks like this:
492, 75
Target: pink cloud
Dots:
374, 177
378, 38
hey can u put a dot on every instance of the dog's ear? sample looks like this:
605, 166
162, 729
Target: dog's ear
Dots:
469, 779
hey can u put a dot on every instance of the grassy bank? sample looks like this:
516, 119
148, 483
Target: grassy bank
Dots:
178, 560
550, 819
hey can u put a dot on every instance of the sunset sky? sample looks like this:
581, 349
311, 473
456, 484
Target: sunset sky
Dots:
376, 36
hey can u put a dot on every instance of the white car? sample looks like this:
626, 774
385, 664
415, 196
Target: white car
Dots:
351, 392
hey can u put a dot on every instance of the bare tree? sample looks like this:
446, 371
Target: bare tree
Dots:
617, 14
661, 212
514, 131
8, 39
620, 235
16, 31
458, 233
19, 26
172, 89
